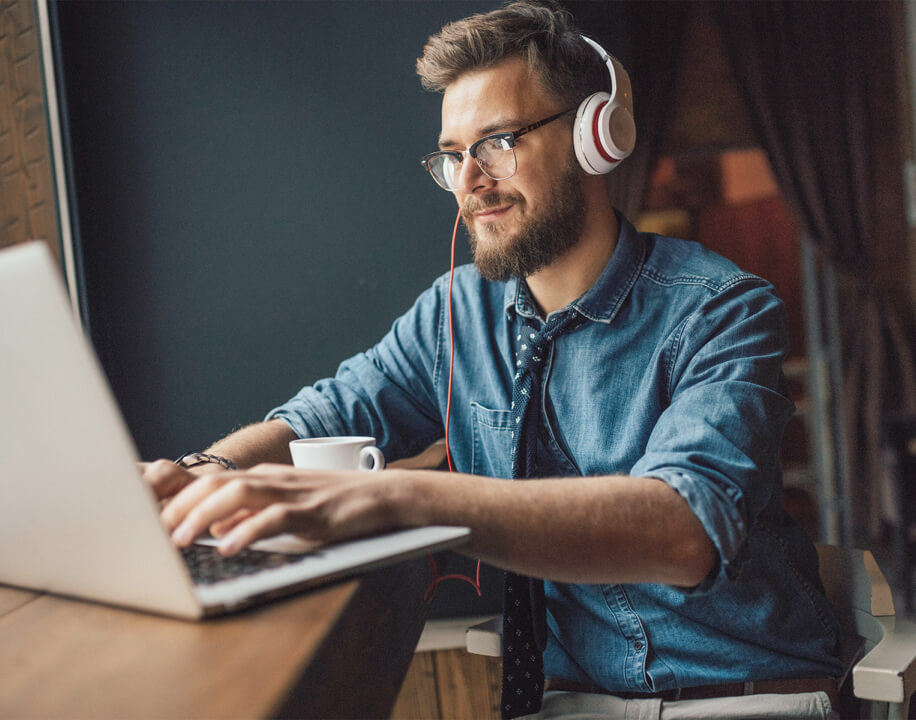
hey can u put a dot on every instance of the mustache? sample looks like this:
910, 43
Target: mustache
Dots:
473, 205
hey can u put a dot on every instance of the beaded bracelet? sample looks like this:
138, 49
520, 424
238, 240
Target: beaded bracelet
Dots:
193, 459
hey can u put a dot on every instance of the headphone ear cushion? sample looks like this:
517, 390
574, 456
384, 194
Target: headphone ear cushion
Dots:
617, 130
603, 134
592, 158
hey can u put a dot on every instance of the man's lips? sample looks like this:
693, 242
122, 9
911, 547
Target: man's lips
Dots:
491, 214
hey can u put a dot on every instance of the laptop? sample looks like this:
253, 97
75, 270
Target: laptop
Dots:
77, 518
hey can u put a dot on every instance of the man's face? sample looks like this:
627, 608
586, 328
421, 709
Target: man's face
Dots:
519, 225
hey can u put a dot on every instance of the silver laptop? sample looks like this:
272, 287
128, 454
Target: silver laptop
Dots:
76, 517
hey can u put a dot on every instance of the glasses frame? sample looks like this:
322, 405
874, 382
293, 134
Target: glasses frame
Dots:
507, 137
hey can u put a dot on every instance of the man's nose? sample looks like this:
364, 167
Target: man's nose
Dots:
471, 177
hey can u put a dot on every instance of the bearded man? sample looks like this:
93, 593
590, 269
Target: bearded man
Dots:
617, 403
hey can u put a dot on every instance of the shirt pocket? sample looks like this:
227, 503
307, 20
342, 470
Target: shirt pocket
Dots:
493, 438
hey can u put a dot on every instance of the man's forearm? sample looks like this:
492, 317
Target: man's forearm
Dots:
591, 530
257, 443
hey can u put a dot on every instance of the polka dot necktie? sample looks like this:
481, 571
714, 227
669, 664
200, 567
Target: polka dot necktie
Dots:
524, 615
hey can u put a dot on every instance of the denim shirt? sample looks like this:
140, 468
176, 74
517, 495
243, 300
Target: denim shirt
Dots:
676, 375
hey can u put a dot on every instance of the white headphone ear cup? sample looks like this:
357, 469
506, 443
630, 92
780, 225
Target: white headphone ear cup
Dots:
592, 158
605, 132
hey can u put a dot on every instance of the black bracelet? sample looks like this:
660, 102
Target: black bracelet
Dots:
193, 459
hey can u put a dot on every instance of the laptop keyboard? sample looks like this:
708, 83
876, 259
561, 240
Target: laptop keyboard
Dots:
207, 566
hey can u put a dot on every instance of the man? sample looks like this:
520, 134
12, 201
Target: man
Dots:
651, 501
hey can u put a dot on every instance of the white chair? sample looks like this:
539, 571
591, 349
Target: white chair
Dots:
879, 647
885, 677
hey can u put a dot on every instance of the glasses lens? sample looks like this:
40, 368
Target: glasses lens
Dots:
444, 169
496, 158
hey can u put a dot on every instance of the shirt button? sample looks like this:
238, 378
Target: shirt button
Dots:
637, 645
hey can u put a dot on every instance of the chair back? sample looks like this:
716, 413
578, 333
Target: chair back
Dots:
857, 590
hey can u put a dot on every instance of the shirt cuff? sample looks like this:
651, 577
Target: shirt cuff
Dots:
309, 414
717, 508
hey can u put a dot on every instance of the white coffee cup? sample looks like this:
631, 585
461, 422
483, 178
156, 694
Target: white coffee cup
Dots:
337, 453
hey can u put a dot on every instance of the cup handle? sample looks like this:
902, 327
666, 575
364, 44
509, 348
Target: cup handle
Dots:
377, 461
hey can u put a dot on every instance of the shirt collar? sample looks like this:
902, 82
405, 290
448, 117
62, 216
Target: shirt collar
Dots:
602, 301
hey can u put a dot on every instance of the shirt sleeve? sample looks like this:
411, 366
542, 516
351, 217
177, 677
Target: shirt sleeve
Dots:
717, 441
388, 392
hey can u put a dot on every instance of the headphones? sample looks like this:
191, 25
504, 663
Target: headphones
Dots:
604, 132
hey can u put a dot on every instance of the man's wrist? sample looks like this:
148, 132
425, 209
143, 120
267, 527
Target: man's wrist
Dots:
415, 498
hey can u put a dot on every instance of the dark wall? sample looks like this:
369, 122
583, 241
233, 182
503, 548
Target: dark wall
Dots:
249, 206
251, 209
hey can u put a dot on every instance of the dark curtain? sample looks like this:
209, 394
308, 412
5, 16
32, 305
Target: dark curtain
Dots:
647, 38
815, 76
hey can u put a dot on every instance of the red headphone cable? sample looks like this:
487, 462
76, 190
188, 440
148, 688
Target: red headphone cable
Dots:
451, 345
431, 590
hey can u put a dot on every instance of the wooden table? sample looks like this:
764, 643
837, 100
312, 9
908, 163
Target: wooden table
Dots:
340, 651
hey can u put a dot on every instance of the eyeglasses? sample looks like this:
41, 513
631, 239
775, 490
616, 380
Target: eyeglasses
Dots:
495, 154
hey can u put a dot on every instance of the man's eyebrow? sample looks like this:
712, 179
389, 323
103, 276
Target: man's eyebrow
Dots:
500, 125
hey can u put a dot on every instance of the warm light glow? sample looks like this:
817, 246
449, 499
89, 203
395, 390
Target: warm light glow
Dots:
746, 175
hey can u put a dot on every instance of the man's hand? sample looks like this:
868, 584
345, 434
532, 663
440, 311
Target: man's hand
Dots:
320, 506
166, 478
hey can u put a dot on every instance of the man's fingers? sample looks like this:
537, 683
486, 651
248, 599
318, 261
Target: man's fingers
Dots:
165, 477
181, 504
213, 499
272, 520
222, 527
185, 503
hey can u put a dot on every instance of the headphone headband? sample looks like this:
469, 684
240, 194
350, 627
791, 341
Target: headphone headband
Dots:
606, 59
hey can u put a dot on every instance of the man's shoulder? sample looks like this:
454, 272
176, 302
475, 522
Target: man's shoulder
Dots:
676, 262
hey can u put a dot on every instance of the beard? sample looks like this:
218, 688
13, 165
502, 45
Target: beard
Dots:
539, 241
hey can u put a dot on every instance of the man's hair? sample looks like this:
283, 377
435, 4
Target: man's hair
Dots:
540, 31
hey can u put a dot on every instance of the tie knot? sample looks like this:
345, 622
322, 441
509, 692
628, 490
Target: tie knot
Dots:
533, 343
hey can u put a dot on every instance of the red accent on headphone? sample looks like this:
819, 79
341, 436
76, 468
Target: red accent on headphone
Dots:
598, 144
